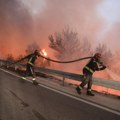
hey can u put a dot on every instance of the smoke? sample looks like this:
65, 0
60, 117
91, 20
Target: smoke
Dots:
112, 37
15, 27
80, 15
109, 11
25, 22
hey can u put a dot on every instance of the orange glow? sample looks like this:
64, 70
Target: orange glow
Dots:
44, 52
21, 25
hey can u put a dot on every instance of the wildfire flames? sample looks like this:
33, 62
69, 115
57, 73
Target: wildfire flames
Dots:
44, 62
44, 52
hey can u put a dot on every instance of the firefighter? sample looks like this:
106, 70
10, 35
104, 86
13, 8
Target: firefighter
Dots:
93, 65
30, 66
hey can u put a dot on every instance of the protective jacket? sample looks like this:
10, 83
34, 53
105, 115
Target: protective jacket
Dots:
32, 58
93, 65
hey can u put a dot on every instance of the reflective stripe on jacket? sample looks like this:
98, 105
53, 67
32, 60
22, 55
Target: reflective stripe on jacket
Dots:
89, 69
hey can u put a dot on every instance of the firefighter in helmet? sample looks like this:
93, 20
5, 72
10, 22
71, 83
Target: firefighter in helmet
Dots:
93, 65
30, 65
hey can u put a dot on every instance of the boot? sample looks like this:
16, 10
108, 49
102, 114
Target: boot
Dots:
78, 90
35, 82
90, 93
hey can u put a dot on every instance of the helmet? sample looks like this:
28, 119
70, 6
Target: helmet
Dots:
36, 52
97, 55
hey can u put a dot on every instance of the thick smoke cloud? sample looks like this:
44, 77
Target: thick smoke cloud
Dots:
109, 11
80, 15
112, 37
15, 27
21, 25
23, 22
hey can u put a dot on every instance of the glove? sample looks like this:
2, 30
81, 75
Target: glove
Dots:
102, 68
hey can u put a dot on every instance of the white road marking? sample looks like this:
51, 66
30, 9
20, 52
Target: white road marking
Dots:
15, 75
68, 95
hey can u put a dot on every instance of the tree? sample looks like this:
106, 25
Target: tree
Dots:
67, 45
106, 53
32, 47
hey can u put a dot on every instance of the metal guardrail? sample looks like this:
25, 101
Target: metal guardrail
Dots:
97, 81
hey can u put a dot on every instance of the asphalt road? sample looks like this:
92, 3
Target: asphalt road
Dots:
21, 100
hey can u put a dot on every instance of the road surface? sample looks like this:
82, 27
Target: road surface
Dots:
21, 100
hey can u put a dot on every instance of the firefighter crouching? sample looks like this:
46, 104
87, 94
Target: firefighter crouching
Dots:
30, 66
93, 65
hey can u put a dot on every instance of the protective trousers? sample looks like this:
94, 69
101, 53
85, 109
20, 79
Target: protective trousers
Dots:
87, 79
30, 70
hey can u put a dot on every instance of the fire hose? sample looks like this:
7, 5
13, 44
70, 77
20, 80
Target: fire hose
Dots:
65, 61
100, 63
51, 60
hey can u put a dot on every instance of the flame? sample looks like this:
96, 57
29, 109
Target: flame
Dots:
44, 52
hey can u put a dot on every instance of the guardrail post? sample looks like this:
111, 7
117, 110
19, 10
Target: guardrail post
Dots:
15, 67
63, 80
7, 63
